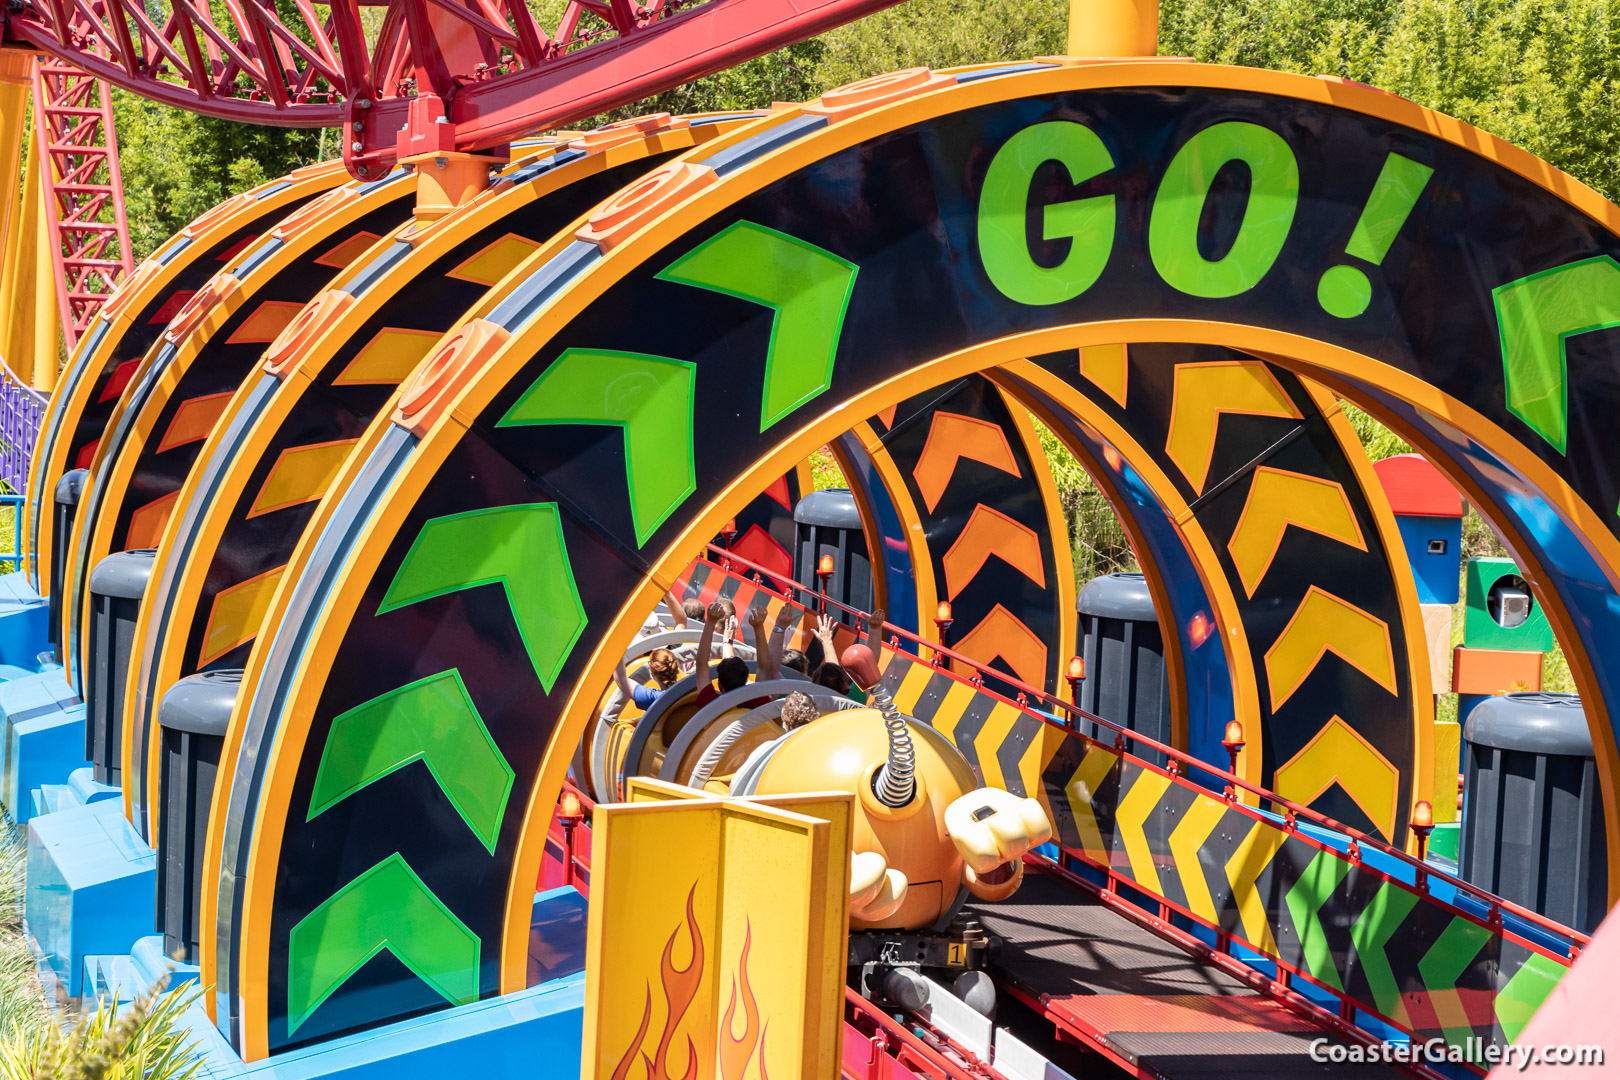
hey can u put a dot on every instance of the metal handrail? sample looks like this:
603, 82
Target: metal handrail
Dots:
21, 407
1180, 758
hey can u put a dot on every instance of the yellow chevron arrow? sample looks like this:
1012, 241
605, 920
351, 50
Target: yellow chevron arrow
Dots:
1131, 819
996, 728
1199, 821
1202, 393
1278, 499
1081, 789
301, 474
1322, 623
1243, 870
1338, 754
237, 615
1037, 757
951, 708
911, 688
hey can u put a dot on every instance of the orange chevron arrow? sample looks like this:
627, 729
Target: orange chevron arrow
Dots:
1338, 754
300, 474
265, 322
1002, 634
1202, 393
780, 494
194, 420
1278, 499
147, 523
990, 532
1324, 623
952, 437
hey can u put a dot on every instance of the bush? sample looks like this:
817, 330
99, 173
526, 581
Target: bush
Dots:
145, 1043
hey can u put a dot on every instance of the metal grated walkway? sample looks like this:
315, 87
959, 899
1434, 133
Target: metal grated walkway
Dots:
1142, 1000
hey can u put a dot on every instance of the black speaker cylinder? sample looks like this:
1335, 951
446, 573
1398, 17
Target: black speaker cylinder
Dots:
69, 490
192, 718
116, 586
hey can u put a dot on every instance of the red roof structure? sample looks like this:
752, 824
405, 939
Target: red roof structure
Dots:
1416, 488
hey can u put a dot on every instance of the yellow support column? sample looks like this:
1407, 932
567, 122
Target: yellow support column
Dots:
17, 291
1113, 27
47, 315
16, 77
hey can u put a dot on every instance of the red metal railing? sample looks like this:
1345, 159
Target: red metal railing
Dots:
1180, 762
489, 68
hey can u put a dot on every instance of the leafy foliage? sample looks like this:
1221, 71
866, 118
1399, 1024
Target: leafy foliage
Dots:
22, 1003
1099, 542
176, 165
145, 1042
1538, 73
941, 33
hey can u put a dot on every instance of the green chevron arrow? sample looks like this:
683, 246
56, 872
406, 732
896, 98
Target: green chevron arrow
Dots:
809, 288
1535, 315
1371, 932
1443, 965
650, 397
1304, 901
519, 547
1518, 1001
433, 720
387, 907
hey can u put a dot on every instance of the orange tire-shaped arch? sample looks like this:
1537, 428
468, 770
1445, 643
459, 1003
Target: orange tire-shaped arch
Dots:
85, 400
872, 228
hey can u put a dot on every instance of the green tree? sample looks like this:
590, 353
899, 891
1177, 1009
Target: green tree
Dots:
942, 33
176, 164
1538, 73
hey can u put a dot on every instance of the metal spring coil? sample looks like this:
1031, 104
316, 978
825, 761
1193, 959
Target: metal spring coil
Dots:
896, 782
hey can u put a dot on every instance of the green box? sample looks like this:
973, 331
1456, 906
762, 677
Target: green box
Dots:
1480, 631
1443, 845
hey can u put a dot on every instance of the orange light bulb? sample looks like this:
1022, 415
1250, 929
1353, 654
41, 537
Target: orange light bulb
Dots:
825, 566
570, 805
1234, 733
1077, 668
1423, 815
944, 612
729, 528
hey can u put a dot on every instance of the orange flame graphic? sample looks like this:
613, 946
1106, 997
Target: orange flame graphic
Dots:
735, 1053
680, 987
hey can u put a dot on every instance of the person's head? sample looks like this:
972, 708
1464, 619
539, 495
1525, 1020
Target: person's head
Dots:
664, 667
693, 608
731, 673
798, 710
796, 660
722, 610
833, 678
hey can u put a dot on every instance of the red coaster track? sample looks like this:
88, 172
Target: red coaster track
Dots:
488, 66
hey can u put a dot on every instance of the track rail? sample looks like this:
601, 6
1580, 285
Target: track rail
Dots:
1128, 807
489, 68
1065, 713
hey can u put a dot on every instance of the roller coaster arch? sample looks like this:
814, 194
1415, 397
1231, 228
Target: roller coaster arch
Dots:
378, 575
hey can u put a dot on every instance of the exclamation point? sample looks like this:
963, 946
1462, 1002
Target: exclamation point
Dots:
1344, 290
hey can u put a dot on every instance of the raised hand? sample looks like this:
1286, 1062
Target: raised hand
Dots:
824, 632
